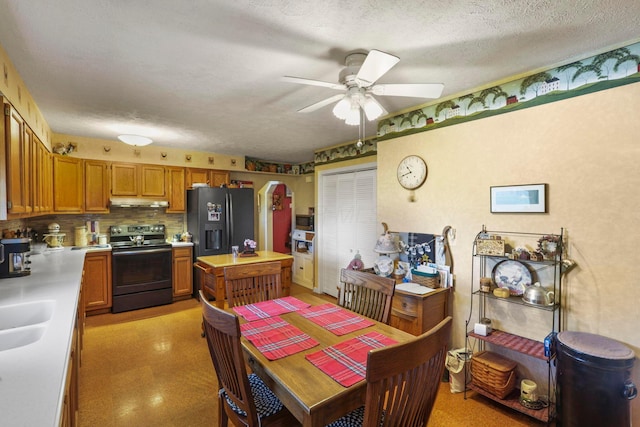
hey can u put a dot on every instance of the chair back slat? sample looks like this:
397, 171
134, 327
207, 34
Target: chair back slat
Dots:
366, 294
251, 283
403, 379
222, 331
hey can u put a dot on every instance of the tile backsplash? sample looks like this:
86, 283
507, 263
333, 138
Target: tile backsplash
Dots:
174, 222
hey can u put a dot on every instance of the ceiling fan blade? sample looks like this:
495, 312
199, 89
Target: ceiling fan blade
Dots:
414, 90
375, 66
320, 104
300, 80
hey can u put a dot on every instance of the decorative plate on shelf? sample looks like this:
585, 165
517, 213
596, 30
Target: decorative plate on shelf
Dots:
513, 275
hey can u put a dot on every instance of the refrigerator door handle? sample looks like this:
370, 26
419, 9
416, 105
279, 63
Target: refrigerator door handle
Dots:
230, 236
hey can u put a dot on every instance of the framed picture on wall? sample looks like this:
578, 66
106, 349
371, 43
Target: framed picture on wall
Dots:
530, 198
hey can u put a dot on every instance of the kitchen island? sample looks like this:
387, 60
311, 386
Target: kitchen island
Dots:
212, 271
33, 376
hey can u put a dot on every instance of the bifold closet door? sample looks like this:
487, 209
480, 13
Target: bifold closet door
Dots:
347, 224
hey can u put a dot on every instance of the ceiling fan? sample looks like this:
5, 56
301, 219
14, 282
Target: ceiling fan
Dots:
357, 82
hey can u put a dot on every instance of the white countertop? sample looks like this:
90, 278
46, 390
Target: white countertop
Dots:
178, 244
32, 377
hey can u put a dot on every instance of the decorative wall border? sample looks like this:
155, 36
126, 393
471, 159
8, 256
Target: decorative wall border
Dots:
600, 72
607, 70
254, 164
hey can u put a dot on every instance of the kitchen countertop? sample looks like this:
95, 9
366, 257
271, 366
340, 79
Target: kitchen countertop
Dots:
225, 260
178, 244
32, 377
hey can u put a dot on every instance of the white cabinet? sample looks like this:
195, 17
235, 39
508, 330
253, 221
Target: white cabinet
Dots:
303, 257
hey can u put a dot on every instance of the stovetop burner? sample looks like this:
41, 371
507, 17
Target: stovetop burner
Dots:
129, 236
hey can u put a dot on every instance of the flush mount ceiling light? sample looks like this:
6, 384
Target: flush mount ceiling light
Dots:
136, 140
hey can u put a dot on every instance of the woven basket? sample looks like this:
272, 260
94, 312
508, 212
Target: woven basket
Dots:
493, 373
425, 279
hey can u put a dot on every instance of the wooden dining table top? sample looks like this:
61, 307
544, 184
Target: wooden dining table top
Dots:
312, 396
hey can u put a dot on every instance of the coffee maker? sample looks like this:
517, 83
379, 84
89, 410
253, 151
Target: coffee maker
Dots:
14, 258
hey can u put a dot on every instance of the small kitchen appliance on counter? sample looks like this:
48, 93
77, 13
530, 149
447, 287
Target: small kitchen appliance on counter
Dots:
14, 258
54, 238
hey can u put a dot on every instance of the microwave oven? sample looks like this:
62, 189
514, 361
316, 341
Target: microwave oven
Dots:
304, 222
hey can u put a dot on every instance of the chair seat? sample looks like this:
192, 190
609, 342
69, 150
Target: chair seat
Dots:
267, 403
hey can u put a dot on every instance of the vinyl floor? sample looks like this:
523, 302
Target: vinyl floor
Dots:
151, 367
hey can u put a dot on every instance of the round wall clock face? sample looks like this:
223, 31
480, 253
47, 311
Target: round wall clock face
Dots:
412, 172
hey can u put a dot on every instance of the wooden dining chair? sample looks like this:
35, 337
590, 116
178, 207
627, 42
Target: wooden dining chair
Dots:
244, 399
366, 293
251, 283
402, 382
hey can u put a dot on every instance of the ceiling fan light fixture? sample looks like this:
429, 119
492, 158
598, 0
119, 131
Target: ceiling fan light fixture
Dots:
342, 108
135, 140
353, 117
372, 108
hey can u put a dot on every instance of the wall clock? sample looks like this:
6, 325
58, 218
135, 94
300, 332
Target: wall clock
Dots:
412, 172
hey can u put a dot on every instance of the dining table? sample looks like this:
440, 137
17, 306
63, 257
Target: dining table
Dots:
310, 394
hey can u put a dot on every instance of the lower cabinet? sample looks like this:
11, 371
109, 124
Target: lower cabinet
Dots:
417, 314
303, 269
97, 282
182, 272
69, 416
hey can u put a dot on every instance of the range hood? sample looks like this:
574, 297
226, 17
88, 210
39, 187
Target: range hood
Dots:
138, 202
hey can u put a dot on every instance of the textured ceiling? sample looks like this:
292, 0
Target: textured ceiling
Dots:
205, 75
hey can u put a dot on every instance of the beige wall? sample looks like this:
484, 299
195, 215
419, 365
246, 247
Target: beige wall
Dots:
587, 150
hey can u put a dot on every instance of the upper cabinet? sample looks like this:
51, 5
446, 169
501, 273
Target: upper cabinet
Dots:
68, 183
28, 168
137, 180
97, 181
16, 163
213, 177
176, 189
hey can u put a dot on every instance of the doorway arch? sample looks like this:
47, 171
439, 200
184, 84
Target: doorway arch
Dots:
275, 217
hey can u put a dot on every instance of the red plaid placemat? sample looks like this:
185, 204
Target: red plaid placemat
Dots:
276, 338
346, 362
269, 308
335, 319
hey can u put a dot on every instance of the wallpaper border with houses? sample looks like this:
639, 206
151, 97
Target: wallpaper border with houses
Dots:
614, 68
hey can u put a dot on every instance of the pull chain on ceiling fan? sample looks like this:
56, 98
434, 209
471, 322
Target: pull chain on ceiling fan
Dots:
357, 82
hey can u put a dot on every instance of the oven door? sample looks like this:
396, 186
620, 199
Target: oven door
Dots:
141, 270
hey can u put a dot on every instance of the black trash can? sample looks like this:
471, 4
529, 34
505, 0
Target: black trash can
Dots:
594, 381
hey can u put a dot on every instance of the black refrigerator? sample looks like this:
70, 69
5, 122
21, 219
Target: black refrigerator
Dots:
217, 219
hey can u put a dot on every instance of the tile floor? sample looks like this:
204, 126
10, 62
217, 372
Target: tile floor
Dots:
151, 367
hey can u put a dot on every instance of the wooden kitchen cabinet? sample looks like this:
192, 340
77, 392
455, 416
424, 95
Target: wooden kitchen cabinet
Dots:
97, 282
47, 180
42, 187
137, 180
182, 272
17, 163
213, 177
417, 314
96, 186
176, 186
68, 183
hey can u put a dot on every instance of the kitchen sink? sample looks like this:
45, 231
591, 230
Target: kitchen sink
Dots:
25, 314
19, 337
25, 323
